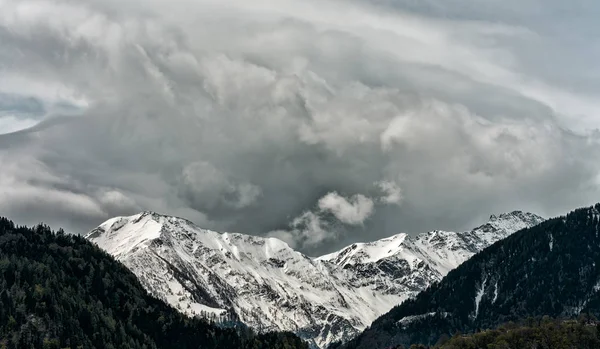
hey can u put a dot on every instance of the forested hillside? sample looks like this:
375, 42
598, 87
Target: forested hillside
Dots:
551, 269
60, 291
542, 332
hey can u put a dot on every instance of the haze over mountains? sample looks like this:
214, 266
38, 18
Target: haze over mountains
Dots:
267, 285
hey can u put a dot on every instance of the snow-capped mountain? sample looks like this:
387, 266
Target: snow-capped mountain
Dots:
548, 270
269, 286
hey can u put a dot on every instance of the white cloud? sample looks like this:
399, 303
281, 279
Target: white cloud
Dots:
117, 201
354, 210
9, 123
392, 194
287, 236
27, 184
312, 228
306, 230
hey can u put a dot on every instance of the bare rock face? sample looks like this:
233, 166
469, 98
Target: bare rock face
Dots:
268, 286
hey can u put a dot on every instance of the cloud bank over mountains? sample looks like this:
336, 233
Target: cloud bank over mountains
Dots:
321, 122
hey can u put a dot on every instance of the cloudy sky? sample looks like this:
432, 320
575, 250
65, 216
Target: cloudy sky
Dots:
321, 122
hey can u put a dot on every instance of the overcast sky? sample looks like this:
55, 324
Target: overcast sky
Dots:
320, 122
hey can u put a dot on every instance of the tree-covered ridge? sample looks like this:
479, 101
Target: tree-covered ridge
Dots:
540, 333
550, 269
60, 291
544, 333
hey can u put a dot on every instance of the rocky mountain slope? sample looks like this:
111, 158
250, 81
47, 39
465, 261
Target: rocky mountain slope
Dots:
267, 285
550, 269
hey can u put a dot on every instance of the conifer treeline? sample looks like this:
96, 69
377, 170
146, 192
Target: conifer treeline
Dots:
542, 333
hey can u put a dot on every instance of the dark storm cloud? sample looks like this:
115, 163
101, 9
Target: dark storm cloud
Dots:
321, 125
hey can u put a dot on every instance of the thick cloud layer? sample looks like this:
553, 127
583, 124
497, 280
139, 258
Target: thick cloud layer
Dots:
320, 122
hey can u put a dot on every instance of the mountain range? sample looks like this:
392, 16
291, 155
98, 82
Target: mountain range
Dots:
551, 269
267, 285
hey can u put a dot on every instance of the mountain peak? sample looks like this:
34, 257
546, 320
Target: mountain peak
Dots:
159, 216
514, 219
502, 225
150, 214
514, 214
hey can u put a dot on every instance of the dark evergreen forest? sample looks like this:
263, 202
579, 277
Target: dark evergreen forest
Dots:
60, 291
540, 333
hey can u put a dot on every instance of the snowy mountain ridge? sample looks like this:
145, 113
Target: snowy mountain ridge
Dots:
269, 286
547, 270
